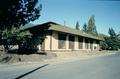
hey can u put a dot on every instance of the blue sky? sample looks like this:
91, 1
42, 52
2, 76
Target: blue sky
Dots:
107, 13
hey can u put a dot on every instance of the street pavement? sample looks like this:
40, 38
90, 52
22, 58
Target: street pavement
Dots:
107, 67
17, 71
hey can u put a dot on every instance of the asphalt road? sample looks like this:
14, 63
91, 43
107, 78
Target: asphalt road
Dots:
17, 71
107, 67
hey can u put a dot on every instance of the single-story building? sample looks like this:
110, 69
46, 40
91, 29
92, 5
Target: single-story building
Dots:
62, 38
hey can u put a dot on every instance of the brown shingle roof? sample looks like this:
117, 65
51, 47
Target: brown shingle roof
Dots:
61, 28
65, 29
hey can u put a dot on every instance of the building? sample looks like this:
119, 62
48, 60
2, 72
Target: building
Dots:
62, 38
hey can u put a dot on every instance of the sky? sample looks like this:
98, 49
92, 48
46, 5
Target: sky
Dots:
107, 13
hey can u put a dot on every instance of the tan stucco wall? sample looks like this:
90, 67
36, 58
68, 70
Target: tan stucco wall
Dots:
47, 42
67, 42
83, 43
76, 43
53, 40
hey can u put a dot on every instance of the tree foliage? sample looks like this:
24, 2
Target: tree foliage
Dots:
103, 45
77, 26
18, 12
112, 42
84, 27
14, 36
90, 27
112, 33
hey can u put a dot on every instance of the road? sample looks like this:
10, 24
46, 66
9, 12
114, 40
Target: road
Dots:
17, 71
107, 67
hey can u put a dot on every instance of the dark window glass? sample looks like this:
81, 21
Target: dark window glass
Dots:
80, 40
91, 44
97, 42
71, 41
61, 41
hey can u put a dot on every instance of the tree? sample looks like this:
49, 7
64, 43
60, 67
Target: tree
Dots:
18, 12
112, 42
14, 36
91, 26
119, 34
103, 45
112, 33
84, 28
77, 26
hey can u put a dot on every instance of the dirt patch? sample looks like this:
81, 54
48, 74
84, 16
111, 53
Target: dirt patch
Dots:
63, 57
82, 53
15, 58
53, 57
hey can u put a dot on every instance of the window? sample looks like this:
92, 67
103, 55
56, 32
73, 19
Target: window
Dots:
61, 40
71, 41
80, 40
97, 42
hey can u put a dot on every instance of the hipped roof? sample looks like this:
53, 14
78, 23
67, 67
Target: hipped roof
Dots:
61, 28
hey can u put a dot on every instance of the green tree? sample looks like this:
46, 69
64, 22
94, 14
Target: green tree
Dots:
77, 26
91, 26
84, 28
119, 34
111, 42
112, 33
14, 36
18, 12
104, 45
